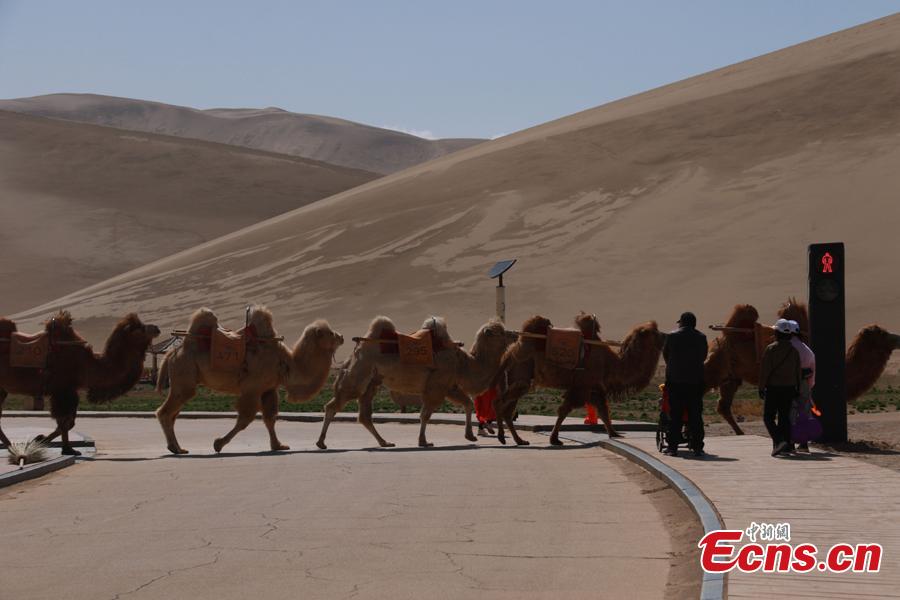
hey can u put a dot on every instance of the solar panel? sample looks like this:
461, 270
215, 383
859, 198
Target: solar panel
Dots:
501, 267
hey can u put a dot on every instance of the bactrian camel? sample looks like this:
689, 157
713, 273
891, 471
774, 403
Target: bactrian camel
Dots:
268, 364
605, 373
456, 375
71, 365
732, 356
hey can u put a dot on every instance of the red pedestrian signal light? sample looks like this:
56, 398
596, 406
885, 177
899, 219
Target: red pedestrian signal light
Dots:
827, 261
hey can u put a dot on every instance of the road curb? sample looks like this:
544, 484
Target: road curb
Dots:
714, 585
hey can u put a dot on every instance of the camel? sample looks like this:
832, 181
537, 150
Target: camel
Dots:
268, 364
456, 375
605, 374
732, 356
72, 366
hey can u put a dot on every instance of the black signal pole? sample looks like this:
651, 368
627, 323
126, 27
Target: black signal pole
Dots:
828, 337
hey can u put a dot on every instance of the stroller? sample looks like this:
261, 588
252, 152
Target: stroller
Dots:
662, 426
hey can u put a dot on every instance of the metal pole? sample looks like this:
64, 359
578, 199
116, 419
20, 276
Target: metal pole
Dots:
501, 300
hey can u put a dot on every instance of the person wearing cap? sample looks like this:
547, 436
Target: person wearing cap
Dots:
685, 352
803, 403
779, 384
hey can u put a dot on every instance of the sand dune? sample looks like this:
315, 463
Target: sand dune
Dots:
696, 196
80, 203
331, 140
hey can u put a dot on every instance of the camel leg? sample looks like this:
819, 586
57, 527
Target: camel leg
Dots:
430, 401
246, 407
366, 407
63, 408
457, 396
727, 390
4, 441
175, 400
64, 405
331, 409
270, 415
504, 406
49, 437
571, 399
599, 400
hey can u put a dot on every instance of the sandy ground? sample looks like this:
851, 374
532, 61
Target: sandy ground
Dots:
456, 521
335, 141
874, 437
698, 195
81, 203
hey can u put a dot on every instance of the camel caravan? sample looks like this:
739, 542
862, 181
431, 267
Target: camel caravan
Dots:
254, 363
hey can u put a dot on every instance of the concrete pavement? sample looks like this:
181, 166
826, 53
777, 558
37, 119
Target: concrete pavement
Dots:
455, 521
827, 498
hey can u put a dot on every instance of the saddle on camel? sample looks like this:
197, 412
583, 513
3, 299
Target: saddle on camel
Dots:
227, 349
417, 348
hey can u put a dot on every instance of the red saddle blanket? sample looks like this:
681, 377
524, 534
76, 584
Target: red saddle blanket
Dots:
564, 347
227, 350
416, 349
29, 351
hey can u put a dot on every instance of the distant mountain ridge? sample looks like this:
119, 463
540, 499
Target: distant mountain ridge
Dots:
327, 139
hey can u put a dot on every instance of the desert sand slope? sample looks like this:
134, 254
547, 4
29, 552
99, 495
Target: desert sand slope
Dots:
695, 196
331, 140
79, 203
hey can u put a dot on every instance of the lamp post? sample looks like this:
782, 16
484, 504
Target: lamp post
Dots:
497, 272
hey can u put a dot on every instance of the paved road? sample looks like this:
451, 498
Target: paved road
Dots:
461, 520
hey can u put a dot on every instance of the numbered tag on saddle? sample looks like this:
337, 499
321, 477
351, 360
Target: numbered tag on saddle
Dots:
564, 347
227, 350
416, 349
28, 351
762, 336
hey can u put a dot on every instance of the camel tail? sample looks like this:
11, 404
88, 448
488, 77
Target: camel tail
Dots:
162, 378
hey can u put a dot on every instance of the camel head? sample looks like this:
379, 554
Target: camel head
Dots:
311, 360
130, 333
122, 362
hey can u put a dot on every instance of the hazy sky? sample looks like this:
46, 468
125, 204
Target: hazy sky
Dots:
447, 69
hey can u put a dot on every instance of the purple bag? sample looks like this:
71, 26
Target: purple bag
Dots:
806, 428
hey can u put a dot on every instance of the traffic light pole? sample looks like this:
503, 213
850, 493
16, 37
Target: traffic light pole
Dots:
828, 337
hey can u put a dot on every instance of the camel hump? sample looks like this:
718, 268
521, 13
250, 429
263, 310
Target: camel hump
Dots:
61, 321
60, 325
537, 324
438, 328
743, 316
381, 326
589, 325
203, 320
7, 327
261, 321
795, 310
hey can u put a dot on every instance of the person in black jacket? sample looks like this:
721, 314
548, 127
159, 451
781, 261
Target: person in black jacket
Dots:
685, 352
